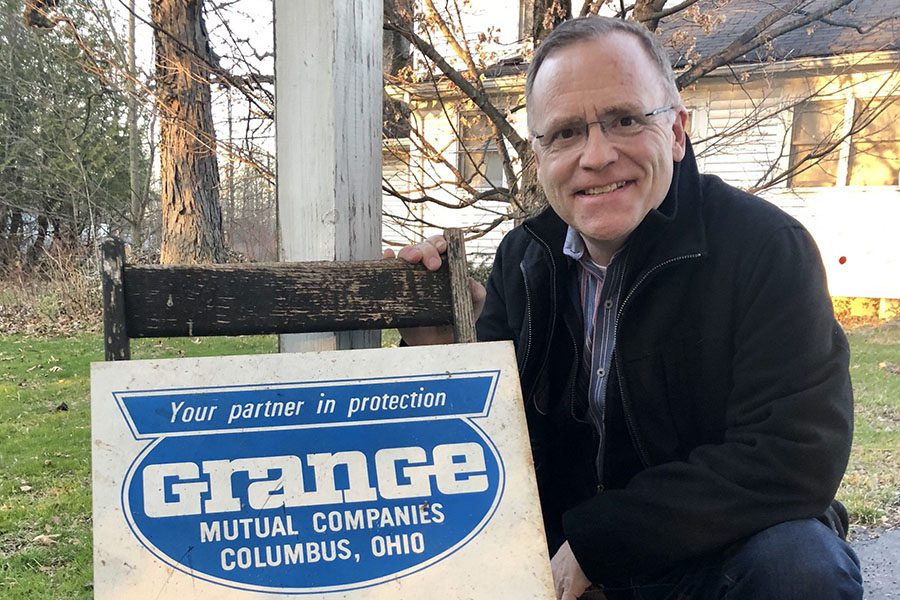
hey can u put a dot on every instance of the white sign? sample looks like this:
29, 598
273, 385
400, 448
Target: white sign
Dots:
364, 474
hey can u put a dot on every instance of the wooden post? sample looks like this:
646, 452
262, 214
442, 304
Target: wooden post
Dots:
463, 313
328, 138
115, 336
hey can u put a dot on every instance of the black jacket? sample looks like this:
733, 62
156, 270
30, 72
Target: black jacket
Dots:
729, 408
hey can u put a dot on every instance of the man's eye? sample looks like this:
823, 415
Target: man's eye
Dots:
566, 133
627, 122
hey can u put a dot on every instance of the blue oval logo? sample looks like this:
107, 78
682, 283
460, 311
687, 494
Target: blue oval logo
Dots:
318, 509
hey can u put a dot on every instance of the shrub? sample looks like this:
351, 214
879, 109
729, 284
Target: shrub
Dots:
55, 294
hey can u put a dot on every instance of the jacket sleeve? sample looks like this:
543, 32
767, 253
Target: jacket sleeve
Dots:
493, 323
788, 429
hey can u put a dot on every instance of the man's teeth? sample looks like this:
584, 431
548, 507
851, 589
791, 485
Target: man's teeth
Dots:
603, 190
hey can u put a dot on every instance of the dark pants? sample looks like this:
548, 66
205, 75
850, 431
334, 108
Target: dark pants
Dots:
797, 560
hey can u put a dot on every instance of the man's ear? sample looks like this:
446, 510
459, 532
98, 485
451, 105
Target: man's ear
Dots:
679, 135
535, 153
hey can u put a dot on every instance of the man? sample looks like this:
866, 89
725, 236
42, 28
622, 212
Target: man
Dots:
686, 385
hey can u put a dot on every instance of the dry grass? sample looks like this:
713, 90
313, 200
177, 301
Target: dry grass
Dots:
57, 295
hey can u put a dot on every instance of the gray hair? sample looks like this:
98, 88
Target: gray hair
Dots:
582, 29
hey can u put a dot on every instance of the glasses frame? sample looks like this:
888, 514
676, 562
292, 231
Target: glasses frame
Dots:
587, 126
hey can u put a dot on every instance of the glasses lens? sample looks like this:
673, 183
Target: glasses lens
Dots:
566, 137
626, 126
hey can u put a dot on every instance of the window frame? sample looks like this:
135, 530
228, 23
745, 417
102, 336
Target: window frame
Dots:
468, 148
861, 105
844, 151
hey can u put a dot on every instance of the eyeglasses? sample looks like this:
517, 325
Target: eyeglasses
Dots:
574, 135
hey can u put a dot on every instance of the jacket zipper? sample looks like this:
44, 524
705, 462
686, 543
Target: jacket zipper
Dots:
629, 419
573, 377
540, 370
527, 319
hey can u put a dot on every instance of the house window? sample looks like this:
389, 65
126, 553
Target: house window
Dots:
815, 143
875, 149
870, 143
479, 160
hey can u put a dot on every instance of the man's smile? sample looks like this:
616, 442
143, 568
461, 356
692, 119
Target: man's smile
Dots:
605, 189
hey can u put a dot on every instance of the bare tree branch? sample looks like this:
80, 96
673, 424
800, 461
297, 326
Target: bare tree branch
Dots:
859, 28
482, 100
668, 12
756, 36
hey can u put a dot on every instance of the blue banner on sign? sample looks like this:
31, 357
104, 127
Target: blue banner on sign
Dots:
193, 411
358, 482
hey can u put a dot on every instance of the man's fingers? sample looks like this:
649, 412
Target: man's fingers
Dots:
564, 593
568, 578
478, 293
411, 254
428, 252
439, 242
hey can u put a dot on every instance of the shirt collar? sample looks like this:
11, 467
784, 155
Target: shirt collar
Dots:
574, 246
575, 249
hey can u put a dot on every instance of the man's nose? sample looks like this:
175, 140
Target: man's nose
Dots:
598, 150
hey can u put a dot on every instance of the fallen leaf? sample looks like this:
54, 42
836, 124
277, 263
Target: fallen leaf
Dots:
25, 488
55, 369
46, 540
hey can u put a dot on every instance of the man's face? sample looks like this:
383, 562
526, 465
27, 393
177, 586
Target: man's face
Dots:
604, 189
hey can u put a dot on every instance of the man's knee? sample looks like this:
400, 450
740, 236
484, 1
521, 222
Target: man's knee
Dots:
793, 560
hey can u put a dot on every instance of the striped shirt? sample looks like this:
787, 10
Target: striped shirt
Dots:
599, 291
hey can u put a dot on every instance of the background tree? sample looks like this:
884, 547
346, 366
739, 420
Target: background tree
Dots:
432, 62
189, 173
63, 177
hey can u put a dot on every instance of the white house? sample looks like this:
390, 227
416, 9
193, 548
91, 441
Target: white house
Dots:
828, 90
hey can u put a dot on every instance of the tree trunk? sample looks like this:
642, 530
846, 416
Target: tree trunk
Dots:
395, 48
189, 175
644, 11
530, 199
134, 153
544, 16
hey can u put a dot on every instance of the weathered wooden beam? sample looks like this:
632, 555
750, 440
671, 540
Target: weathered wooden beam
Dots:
115, 330
461, 298
170, 301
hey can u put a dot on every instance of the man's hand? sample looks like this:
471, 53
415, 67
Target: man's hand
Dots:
568, 578
429, 254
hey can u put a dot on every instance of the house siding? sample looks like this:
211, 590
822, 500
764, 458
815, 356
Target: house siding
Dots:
853, 226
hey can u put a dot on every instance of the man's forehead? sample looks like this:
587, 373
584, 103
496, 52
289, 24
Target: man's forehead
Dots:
616, 50
594, 68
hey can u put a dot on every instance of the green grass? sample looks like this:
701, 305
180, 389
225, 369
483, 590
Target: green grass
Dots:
45, 503
871, 486
45, 482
